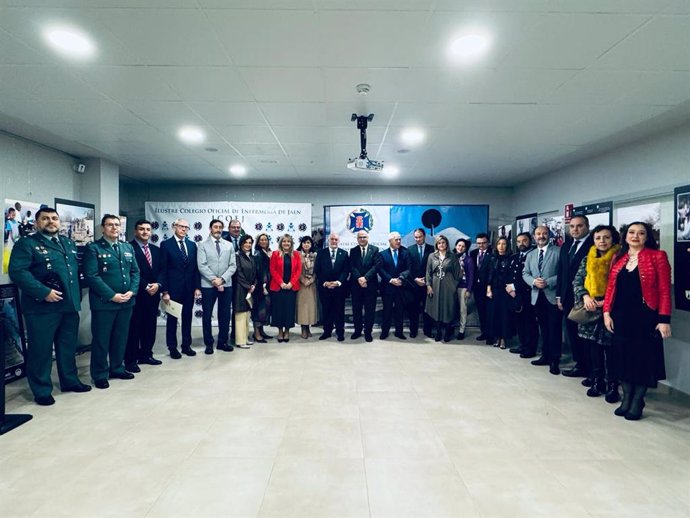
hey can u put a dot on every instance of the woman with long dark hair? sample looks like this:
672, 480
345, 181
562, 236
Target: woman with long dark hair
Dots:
462, 251
244, 290
307, 311
261, 311
500, 309
589, 288
637, 310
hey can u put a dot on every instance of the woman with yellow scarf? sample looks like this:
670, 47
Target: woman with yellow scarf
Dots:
590, 287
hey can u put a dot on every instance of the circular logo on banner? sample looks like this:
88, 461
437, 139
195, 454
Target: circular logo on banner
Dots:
198, 238
155, 225
258, 226
302, 227
154, 238
198, 225
360, 219
280, 227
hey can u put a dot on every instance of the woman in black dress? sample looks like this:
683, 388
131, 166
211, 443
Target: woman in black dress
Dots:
286, 267
244, 290
500, 310
637, 310
261, 312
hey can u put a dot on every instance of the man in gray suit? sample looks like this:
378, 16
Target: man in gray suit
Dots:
216, 261
541, 273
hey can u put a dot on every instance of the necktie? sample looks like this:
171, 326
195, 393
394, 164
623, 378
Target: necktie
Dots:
183, 251
218, 246
332, 257
234, 243
57, 242
395, 258
116, 250
573, 248
481, 257
421, 251
541, 259
147, 254
364, 252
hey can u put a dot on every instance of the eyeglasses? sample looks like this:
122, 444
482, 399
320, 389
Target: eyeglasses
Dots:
185, 227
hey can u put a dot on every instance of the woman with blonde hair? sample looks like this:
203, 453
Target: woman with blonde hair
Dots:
443, 271
286, 268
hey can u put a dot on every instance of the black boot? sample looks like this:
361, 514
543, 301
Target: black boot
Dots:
635, 412
612, 395
448, 335
587, 382
439, 332
598, 388
627, 399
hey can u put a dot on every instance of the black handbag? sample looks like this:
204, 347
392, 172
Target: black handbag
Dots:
580, 314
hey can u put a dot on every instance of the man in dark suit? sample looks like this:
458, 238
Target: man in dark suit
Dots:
181, 283
541, 273
573, 251
394, 270
112, 275
364, 283
525, 319
332, 268
142, 326
482, 259
44, 267
419, 254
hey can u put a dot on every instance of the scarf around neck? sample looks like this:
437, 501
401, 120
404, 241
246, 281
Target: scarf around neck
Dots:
598, 271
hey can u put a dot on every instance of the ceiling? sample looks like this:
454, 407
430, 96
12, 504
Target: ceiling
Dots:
272, 83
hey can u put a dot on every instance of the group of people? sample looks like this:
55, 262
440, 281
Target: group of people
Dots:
591, 279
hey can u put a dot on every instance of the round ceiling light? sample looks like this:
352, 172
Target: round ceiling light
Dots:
390, 171
191, 135
238, 170
412, 136
70, 42
469, 46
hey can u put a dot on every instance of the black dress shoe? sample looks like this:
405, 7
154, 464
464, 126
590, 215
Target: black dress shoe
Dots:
587, 382
150, 361
429, 334
174, 354
325, 336
516, 350
356, 335
413, 335
461, 336
528, 355
121, 375
132, 367
368, 337
540, 361
44, 400
208, 350
259, 340
81, 387
225, 347
101, 384
554, 369
481, 337
401, 336
383, 336
491, 341
341, 338
188, 351
575, 372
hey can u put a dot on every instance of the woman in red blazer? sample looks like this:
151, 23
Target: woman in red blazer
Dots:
285, 267
637, 310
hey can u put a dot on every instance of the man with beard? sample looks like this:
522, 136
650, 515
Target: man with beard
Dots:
44, 267
524, 317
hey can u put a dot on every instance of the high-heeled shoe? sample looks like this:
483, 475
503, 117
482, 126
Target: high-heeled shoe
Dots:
259, 340
266, 336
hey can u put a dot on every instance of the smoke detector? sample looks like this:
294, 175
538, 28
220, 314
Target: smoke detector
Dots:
363, 88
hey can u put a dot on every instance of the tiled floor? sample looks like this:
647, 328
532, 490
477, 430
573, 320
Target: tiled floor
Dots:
313, 429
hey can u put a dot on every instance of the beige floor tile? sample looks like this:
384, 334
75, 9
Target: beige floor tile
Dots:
243, 437
322, 438
412, 439
310, 488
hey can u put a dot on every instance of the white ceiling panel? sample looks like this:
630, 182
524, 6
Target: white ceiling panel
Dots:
227, 113
386, 83
515, 6
207, 84
68, 112
15, 52
246, 134
285, 84
302, 134
649, 48
608, 6
669, 88
129, 83
288, 5
286, 114
163, 113
268, 38
257, 150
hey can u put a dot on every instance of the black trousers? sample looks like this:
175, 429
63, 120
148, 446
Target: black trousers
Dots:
333, 309
171, 323
142, 328
418, 300
481, 301
602, 360
363, 300
577, 345
549, 319
393, 309
526, 324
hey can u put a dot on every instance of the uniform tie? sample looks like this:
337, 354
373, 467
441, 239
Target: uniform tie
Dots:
57, 242
573, 248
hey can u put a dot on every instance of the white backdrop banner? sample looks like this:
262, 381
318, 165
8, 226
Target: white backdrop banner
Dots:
347, 220
275, 219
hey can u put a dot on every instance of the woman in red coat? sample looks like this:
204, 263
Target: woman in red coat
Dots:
637, 310
286, 267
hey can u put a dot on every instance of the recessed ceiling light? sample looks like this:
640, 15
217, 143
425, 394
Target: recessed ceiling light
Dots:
238, 170
70, 42
191, 135
469, 46
211, 149
390, 171
412, 136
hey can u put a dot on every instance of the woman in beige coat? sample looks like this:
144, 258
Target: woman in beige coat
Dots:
307, 313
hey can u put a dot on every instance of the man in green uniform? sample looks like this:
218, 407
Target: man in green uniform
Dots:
112, 274
44, 267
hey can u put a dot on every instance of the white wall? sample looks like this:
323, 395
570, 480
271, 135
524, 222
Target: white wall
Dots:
30, 172
646, 171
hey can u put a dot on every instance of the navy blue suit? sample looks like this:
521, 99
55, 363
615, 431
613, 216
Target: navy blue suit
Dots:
180, 279
393, 297
142, 326
418, 269
332, 300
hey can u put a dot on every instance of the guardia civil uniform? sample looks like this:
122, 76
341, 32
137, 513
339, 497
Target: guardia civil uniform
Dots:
109, 268
38, 264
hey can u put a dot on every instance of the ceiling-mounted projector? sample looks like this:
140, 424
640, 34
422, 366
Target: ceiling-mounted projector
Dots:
363, 163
